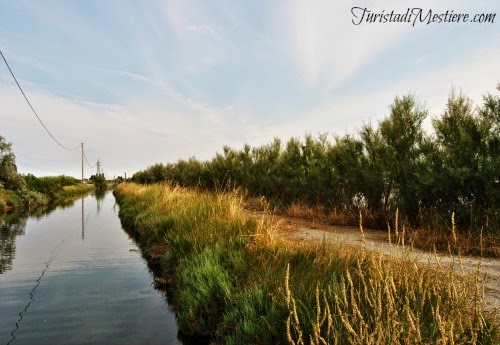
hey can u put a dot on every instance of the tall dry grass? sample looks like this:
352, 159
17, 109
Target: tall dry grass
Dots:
460, 243
236, 283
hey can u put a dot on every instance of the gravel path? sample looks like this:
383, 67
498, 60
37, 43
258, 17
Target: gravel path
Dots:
295, 229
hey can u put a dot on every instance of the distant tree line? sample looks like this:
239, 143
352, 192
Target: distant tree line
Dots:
99, 181
394, 164
18, 190
49, 185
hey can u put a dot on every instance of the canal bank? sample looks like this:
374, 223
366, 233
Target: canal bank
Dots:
233, 281
73, 276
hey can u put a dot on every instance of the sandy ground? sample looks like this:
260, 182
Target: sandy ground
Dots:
296, 229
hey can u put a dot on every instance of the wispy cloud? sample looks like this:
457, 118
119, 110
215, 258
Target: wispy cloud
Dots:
206, 30
339, 115
330, 49
145, 84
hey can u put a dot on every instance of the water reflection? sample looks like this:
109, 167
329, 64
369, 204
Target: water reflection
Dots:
79, 281
99, 197
11, 226
66, 203
83, 223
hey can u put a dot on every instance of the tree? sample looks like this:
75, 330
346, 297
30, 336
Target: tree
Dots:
9, 177
377, 186
489, 117
345, 161
100, 182
467, 173
402, 135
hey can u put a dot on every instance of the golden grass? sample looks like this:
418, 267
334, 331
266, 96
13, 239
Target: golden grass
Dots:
463, 243
251, 287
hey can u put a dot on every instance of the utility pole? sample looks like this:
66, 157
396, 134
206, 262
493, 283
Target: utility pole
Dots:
98, 166
125, 177
82, 162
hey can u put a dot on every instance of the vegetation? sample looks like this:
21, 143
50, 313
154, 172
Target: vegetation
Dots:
394, 165
9, 178
18, 191
99, 181
9, 199
232, 281
50, 185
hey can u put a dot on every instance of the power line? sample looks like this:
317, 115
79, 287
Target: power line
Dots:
86, 160
26, 98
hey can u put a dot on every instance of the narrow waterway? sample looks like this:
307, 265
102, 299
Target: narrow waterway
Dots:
73, 276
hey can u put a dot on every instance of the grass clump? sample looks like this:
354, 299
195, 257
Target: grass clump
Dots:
74, 190
206, 288
234, 283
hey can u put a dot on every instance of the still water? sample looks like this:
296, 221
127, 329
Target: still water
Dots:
73, 276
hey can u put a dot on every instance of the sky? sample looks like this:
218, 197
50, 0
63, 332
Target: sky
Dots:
145, 82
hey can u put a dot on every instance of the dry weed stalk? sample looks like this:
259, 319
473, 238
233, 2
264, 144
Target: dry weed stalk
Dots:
396, 230
453, 228
361, 227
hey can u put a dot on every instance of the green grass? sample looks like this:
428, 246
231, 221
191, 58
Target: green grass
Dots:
235, 283
9, 199
74, 190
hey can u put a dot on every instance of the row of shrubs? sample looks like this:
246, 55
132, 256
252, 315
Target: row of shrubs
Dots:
50, 185
35, 191
232, 282
394, 164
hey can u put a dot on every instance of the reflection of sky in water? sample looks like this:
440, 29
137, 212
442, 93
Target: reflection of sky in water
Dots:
96, 289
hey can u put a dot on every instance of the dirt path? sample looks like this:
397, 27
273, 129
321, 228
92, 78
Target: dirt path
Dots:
296, 229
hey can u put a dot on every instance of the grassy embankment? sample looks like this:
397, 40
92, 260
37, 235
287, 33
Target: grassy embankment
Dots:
232, 281
41, 191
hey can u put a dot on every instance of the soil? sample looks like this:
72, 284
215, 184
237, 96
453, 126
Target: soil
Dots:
300, 230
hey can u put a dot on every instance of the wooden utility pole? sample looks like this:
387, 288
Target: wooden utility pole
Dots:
82, 162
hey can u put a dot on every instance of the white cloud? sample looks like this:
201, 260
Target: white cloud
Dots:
330, 49
206, 30
124, 137
475, 76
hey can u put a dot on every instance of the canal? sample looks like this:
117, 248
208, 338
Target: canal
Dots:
73, 276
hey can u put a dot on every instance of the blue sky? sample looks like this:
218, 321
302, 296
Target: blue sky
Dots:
141, 82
